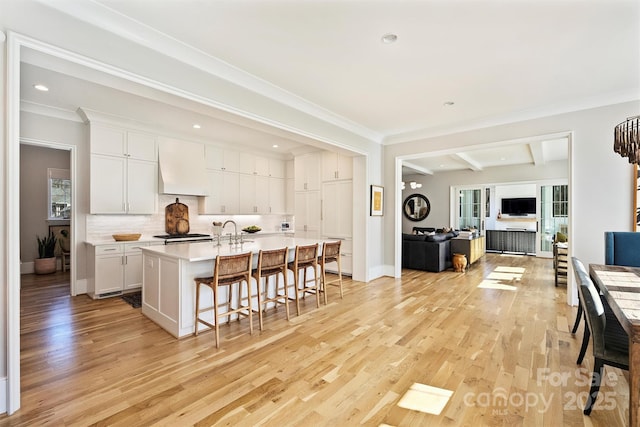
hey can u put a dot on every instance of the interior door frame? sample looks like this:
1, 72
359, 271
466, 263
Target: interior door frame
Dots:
561, 181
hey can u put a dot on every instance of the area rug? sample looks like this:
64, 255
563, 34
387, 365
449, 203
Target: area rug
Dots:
134, 299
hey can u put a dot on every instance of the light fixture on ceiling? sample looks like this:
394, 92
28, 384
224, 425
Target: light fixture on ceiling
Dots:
412, 184
274, 146
389, 38
626, 139
41, 87
196, 126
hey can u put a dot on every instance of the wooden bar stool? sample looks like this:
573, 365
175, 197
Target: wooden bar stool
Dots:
330, 253
306, 257
228, 270
271, 264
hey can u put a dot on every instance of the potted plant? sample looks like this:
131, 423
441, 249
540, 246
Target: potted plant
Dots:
46, 261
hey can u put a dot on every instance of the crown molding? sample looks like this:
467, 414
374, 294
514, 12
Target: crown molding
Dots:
101, 16
46, 110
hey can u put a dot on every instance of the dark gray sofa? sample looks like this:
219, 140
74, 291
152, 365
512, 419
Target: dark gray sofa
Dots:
427, 252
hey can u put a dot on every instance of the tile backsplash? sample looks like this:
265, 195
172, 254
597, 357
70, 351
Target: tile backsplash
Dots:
103, 226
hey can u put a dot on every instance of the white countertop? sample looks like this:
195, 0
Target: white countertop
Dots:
107, 240
203, 251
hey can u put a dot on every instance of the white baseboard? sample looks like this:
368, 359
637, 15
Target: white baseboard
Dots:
81, 286
27, 267
3, 395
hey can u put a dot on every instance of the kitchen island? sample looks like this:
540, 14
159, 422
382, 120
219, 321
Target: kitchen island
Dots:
168, 288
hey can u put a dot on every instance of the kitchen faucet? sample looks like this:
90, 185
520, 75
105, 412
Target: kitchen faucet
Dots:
235, 229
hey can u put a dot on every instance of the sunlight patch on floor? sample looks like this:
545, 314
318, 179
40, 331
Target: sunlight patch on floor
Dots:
424, 398
504, 276
495, 284
504, 269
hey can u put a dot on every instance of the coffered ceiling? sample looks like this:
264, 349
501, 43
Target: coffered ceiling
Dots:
456, 65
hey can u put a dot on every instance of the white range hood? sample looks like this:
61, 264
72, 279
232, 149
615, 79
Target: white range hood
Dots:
182, 168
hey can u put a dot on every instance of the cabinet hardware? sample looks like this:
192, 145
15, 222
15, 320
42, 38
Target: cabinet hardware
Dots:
110, 249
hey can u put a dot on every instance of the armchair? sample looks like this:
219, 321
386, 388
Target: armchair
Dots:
622, 248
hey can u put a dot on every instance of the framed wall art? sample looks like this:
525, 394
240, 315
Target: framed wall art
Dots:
377, 200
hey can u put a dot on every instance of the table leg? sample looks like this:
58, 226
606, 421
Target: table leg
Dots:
634, 378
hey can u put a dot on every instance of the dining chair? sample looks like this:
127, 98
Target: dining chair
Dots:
330, 254
579, 271
610, 344
228, 270
306, 258
271, 264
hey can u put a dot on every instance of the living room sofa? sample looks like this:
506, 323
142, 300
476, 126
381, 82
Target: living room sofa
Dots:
427, 249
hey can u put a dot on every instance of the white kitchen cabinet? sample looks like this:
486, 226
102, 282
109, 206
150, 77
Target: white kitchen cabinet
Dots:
114, 268
336, 166
121, 185
277, 168
277, 196
123, 171
222, 159
307, 215
223, 190
121, 142
307, 172
337, 209
255, 194
252, 164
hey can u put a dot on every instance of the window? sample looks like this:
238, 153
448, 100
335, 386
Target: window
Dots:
560, 200
59, 186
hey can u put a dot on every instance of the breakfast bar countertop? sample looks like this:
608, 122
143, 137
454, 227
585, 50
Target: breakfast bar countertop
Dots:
204, 251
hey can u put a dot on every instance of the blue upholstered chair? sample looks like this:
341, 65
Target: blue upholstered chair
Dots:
622, 248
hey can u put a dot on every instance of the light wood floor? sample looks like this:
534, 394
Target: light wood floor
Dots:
505, 354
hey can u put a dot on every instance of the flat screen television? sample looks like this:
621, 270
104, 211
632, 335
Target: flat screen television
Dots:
519, 206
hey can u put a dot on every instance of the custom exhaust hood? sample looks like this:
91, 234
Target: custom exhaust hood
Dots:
182, 168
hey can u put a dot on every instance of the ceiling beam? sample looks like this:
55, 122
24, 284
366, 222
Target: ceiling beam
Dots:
537, 153
471, 164
419, 169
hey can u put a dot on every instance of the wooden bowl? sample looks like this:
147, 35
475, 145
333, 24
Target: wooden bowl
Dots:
126, 237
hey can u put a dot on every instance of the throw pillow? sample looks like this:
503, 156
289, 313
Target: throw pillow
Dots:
561, 238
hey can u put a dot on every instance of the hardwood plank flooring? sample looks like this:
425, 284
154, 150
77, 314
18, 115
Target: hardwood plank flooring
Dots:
496, 336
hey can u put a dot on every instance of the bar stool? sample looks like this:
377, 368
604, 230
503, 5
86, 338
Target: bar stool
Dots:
228, 270
270, 264
330, 253
306, 257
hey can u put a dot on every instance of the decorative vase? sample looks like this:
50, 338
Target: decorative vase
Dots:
459, 262
44, 265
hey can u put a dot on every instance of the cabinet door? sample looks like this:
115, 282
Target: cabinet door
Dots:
133, 270
262, 194
337, 209
277, 168
290, 196
212, 204
107, 140
248, 200
142, 146
329, 166
108, 273
214, 157
231, 160
308, 213
230, 192
107, 182
142, 187
277, 198
307, 172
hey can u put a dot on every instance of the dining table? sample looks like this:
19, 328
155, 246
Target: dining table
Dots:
620, 285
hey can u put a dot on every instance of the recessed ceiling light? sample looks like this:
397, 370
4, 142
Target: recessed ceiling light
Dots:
389, 38
196, 126
442, 166
275, 145
503, 158
41, 87
448, 103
